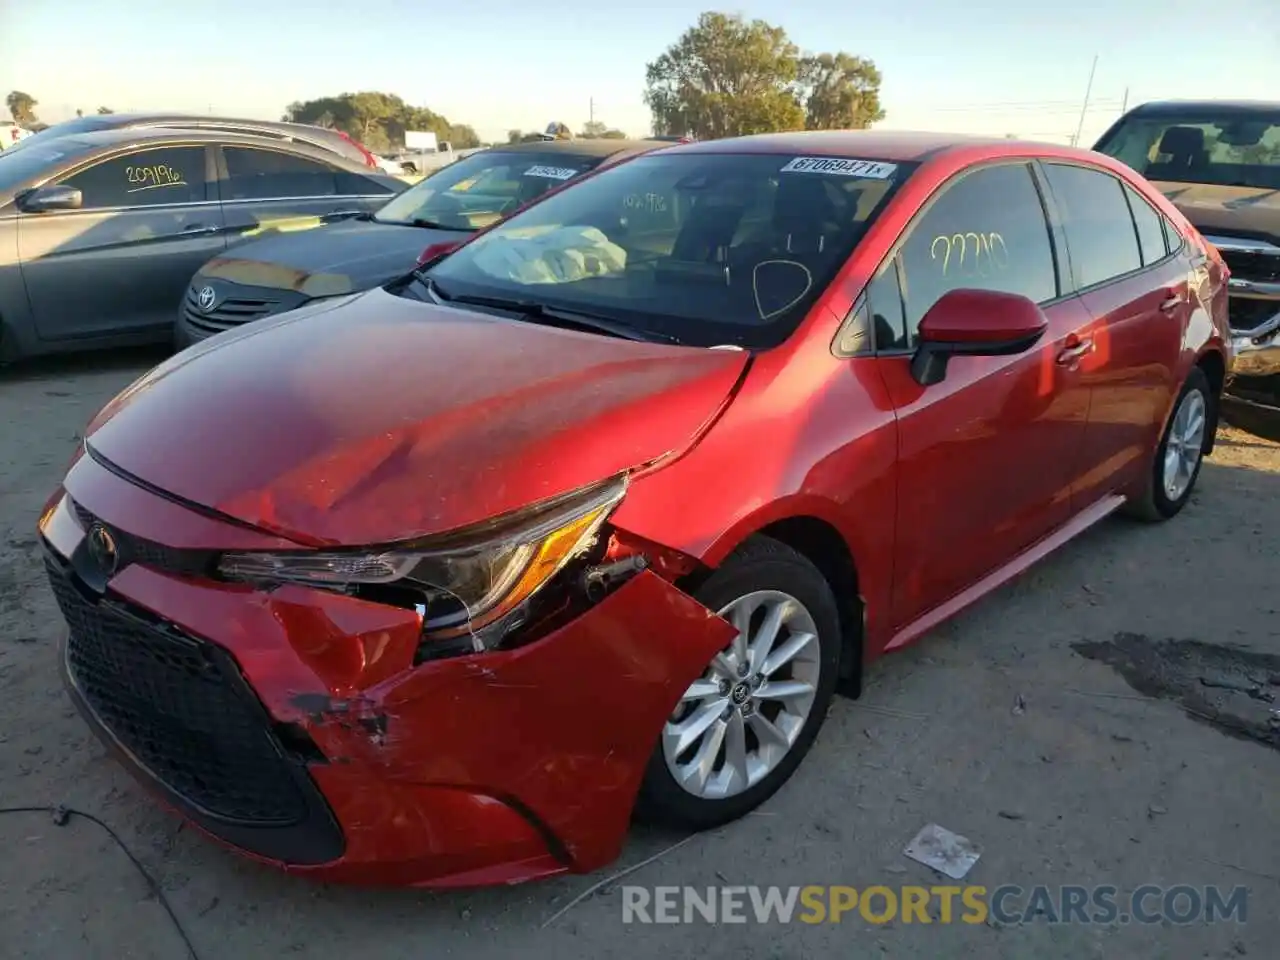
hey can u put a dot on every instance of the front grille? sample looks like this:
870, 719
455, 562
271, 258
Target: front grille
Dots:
158, 556
1249, 313
1254, 265
176, 705
228, 313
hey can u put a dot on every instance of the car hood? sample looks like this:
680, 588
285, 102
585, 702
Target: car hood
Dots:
329, 260
376, 418
1226, 210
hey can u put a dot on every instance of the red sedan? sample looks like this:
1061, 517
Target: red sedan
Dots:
440, 584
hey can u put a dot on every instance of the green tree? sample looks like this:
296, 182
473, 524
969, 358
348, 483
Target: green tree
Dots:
22, 107
513, 136
595, 130
463, 136
726, 76
840, 92
378, 120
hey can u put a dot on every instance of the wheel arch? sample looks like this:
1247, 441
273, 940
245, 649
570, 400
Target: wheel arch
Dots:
809, 527
1214, 366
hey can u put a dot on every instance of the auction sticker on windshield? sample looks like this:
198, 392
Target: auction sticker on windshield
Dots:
841, 166
551, 173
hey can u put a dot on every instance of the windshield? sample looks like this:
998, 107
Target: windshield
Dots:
483, 188
19, 167
1241, 151
707, 249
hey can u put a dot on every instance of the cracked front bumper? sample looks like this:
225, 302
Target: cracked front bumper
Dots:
310, 741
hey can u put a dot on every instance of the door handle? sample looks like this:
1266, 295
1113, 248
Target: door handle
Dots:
339, 214
196, 229
1075, 351
1172, 303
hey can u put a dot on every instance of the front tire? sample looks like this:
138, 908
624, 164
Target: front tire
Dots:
1175, 468
743, 727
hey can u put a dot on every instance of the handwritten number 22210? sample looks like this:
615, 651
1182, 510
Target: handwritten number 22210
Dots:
978, 253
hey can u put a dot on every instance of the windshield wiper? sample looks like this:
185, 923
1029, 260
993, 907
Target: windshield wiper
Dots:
552, 316
437, 225
423, 222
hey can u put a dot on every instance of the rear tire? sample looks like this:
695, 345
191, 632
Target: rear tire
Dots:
1175, 468
760, 702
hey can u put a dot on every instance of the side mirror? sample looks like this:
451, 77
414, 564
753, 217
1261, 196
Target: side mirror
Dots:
435, 251
974, 323
55, 196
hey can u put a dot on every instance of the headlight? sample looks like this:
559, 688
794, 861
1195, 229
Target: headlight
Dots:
460, 584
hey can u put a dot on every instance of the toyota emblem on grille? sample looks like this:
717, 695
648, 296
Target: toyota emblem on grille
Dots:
103, 549
206, 298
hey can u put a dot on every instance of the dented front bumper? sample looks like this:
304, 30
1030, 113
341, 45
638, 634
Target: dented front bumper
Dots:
484, 769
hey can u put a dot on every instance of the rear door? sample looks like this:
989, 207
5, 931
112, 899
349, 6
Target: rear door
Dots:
271, 189
1138, 291
986, 457
120, 264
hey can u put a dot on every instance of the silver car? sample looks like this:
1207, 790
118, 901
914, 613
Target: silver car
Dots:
100, 233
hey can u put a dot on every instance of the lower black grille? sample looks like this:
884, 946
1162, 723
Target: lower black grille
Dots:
166, 698
179, 709
1249, 313
1258, 266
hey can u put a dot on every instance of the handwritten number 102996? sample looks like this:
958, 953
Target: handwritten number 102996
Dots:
971, 254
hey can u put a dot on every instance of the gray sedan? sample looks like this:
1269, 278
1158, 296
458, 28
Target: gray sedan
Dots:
100, 233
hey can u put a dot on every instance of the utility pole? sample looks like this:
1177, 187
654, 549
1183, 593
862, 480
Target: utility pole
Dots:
592, 110
1088, 90
1124, 104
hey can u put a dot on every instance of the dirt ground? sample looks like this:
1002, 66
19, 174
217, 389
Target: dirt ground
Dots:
1052, 725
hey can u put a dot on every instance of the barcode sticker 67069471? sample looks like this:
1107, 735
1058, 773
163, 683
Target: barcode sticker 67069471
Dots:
842, 167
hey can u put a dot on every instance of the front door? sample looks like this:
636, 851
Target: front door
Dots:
987, 457
121, 263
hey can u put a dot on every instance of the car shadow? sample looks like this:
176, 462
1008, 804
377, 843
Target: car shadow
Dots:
63, 367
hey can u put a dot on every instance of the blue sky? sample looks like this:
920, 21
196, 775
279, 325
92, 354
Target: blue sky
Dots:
989, 66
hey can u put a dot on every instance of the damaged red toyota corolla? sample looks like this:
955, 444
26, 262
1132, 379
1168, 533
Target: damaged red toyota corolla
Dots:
441, 583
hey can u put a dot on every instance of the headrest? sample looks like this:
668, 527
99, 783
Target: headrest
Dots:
806, 203
1182, 141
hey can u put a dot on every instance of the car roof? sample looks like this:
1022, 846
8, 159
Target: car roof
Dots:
141, 136
1177, 108
904, 146
584, 148
127, 119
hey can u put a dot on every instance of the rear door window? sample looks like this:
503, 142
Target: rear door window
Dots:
144, 178
254, 174
1101, 236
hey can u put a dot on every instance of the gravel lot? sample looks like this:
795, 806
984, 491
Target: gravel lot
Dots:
1014, 725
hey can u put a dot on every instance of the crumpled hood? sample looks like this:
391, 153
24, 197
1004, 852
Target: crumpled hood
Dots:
1226, 210
337, 258
376, 418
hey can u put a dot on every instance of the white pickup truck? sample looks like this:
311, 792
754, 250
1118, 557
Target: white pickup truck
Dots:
11, 133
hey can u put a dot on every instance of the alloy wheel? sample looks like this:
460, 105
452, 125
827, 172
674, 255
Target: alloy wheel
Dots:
1184, 445
740, 719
